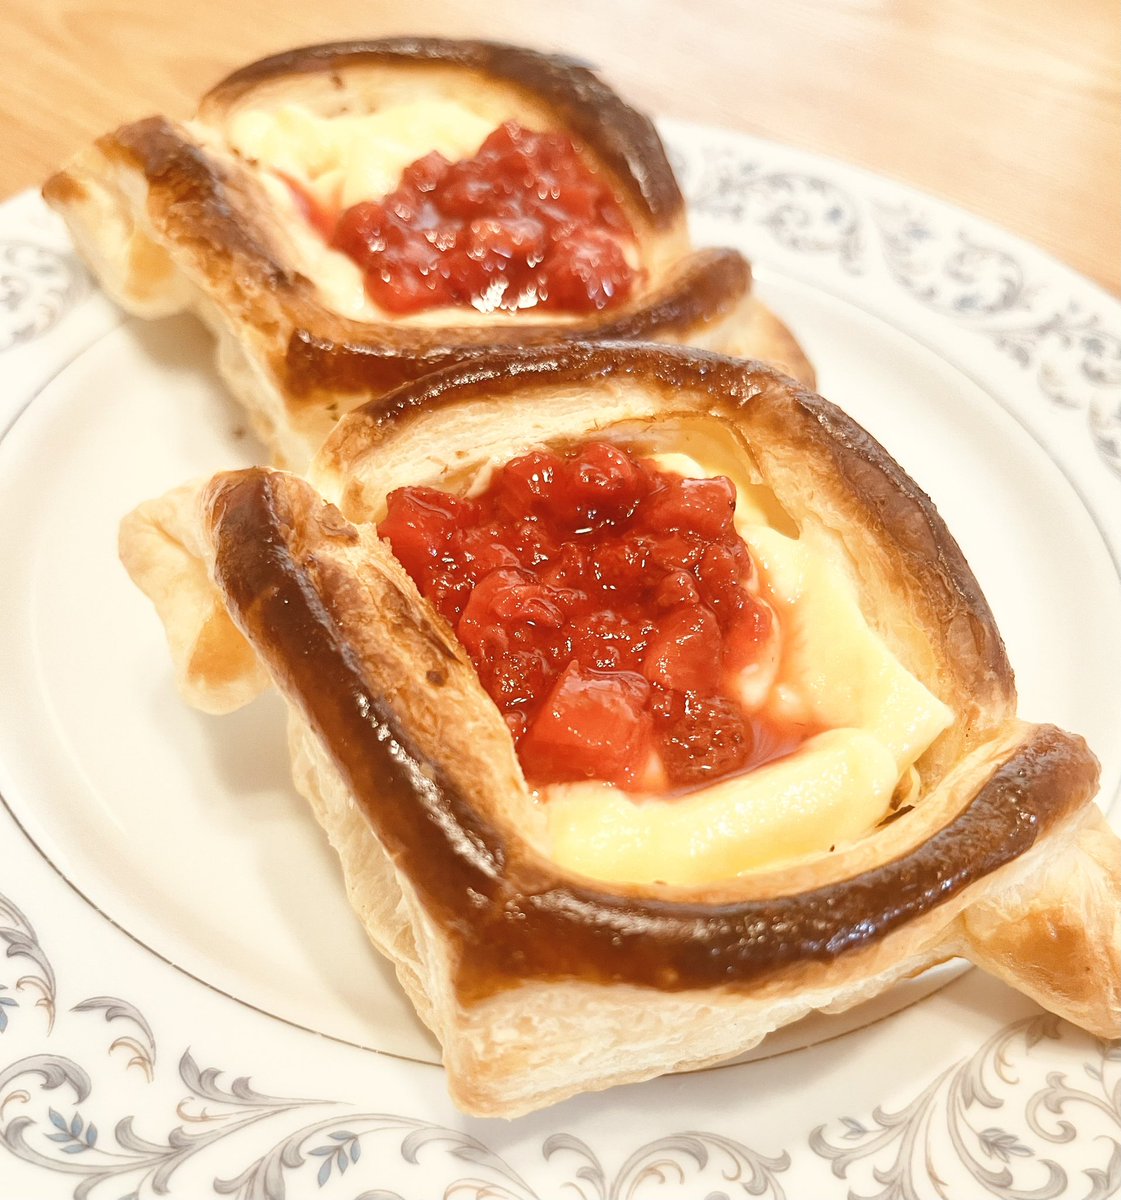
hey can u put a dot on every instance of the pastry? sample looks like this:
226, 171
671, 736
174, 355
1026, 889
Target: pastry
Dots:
561, 934
347, 217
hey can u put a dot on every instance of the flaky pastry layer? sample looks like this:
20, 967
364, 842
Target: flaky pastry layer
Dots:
541, 984
171, 217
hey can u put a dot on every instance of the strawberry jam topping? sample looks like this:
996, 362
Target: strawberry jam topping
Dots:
524, 223
604, 604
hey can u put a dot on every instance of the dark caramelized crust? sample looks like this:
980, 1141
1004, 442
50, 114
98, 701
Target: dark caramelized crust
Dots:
623, 139
510, 914
728, 384
708, 287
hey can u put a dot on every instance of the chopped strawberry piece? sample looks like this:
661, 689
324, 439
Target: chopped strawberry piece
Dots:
426, 173
586, 271
703, 507
591, 726
569, 567
420, 522
701, 737
360, 232
599, 485
721, 575
622, 564
611, 641
478, 629
685, 651
518, 678
676, 590
672, 550
750, 628
480, 548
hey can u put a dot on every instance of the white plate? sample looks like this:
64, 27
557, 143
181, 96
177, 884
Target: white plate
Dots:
186, 1003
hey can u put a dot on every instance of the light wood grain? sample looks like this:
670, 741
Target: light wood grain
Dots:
1010, 108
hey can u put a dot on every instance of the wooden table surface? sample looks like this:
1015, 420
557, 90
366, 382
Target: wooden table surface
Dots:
1010, 108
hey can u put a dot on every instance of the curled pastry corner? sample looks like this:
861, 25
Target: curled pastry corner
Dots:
541, 983
174, 216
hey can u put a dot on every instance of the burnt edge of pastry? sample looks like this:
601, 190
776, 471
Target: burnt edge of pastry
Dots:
205, 207
513, 919
622, 138
511, 915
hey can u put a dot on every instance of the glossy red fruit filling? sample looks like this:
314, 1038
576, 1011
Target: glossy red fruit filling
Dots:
604, 604
524, 223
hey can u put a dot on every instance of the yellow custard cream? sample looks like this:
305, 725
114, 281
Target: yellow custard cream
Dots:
344, 159
828, 670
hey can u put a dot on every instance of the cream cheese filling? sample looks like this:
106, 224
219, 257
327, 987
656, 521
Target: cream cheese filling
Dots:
827, 670
343, 159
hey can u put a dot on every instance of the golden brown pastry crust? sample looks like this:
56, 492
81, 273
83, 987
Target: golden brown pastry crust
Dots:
541, 984
321, 618
170, 218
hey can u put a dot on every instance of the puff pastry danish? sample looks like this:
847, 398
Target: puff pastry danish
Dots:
231, 215
542, 979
